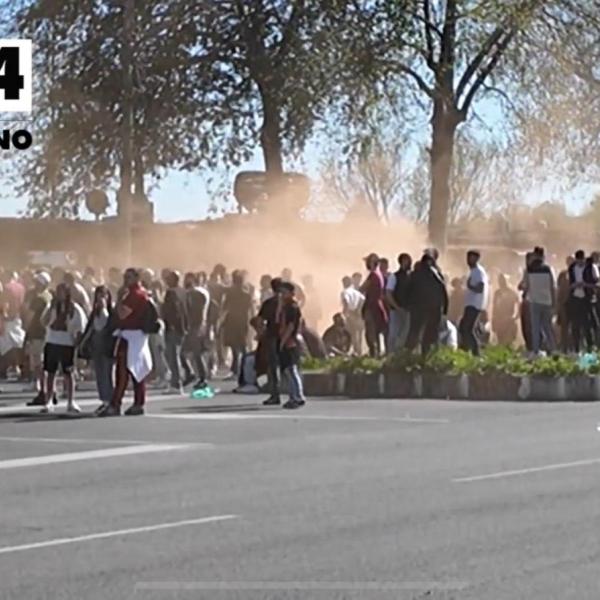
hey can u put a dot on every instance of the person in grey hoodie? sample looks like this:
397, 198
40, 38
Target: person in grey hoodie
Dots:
540, 286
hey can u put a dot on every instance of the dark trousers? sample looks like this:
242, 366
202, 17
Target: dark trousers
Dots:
466, 329
122, 379
196, 347
373, 335
582, 319
424, 327
526, 324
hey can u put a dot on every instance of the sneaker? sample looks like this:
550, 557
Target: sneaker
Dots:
293, 404
73, 409
47, 409
39, 400
201, 385
109, 410
135, 410
100, 408
272, 401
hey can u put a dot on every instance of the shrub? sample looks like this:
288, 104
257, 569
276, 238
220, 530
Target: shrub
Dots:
445, 361
404, 361
357, 364
308, 363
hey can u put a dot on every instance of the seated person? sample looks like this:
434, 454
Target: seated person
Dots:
448, 334
483, 329
337, 338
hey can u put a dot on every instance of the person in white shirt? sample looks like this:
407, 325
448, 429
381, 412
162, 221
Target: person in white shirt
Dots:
65, 323
352, 304
476, 298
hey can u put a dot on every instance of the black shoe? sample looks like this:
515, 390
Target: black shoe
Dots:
39, 400
188, 380
134, 410
201, 385
272, 401
293, 404
109, 410
54, 400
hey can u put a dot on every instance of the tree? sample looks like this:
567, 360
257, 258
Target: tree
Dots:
455, 52
80, 97
373, 181
273, 59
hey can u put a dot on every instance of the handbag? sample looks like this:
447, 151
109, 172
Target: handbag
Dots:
84, 350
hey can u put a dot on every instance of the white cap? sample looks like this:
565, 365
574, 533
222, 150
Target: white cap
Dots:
43, 278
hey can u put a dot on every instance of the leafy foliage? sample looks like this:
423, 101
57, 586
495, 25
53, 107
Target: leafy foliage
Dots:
494, 360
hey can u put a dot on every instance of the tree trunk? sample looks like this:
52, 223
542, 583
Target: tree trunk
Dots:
138, 183
444, 126
270, 137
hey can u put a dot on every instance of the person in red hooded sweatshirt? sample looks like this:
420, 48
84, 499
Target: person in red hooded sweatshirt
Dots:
374, 312
133, 357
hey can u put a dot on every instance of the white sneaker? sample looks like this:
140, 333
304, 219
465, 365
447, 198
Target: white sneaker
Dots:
173, 391
46, 410
73, 409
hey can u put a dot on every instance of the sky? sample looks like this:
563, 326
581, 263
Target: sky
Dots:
183, 197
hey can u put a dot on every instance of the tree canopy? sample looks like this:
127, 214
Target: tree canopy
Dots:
215, 81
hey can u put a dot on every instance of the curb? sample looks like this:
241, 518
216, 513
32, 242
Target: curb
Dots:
580, 388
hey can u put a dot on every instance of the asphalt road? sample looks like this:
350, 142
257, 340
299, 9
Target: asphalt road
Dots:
222, 499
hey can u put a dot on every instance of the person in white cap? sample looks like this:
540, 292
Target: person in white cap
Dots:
38, 302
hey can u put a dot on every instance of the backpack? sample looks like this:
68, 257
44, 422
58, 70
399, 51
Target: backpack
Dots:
151, 320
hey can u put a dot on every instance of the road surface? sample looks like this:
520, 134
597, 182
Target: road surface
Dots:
223, 499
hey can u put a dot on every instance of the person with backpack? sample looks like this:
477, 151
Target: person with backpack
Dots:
136, 318
98, 343
174, 315
397, 298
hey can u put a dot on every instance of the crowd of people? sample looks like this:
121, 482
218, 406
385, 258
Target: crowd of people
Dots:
177, 332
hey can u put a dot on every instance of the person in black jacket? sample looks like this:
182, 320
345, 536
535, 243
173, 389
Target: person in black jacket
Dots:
428, 302
174, 314
583, 300
268, 314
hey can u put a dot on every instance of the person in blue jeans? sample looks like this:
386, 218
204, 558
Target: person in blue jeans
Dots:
290, 319
98, 339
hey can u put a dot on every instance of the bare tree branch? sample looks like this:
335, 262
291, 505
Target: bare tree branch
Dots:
501, 47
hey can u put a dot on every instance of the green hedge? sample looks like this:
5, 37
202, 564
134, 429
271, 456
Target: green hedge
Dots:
496, 360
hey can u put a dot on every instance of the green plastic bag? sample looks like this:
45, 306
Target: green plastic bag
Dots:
203, 393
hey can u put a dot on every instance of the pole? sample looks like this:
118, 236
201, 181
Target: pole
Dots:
125, 207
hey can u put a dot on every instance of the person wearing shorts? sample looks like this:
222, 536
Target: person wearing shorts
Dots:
65, 322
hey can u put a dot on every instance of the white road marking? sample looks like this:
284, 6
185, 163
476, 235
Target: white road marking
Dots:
117, 533
517, 472
90, 441
49, 459
22, 408
235, 416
